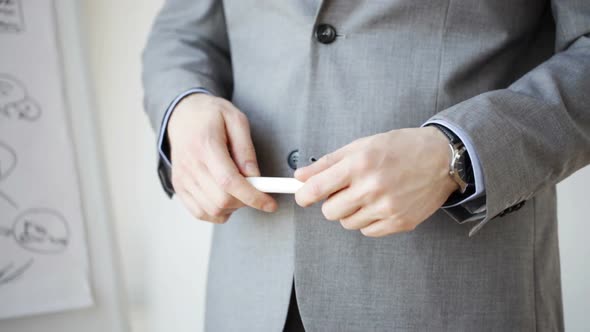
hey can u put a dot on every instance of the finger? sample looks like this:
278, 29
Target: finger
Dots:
211, 189
323, 184
304, 173
194, 209
199, 196
361, 218
378, 228
240, 141
387, 226
226, 175
341, 204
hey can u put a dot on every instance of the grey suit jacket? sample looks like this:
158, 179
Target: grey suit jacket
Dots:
513, 74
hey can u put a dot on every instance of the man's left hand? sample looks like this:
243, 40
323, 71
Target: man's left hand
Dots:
382, 184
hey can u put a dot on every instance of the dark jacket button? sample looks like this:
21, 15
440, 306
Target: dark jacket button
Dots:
519, 205
511, 209
325, 33
293, 158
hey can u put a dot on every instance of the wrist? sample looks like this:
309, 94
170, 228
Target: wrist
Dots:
186, 104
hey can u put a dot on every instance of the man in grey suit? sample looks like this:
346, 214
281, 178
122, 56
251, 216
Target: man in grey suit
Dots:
412, 123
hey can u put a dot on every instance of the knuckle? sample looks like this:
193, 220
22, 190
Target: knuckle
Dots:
261, 200
387, 207
225, 202
216, 211
409, 227
240, 117
404, 225
256, 200
366, 196
373, 183
348, 169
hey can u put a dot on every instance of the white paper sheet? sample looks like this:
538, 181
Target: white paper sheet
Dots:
43, 256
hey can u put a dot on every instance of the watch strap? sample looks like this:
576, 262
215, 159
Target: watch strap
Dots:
456, 141
453, 138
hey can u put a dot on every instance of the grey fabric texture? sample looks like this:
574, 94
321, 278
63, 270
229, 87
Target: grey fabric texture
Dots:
513, 74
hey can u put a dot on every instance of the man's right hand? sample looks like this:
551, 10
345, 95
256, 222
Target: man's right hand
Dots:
211, 153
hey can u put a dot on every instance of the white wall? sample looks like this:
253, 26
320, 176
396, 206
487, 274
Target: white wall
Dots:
574, 232
164, 252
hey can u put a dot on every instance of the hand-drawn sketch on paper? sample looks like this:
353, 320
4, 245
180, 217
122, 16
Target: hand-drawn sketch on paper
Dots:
11, 271
43, 256
7, 160
34, 232
14, 102
11, 16
38, 230
43, 231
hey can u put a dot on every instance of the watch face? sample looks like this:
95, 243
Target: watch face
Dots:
463, 171
460, 167
463, 167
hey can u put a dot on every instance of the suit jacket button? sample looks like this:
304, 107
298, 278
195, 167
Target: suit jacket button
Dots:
293, 158
325, 33
519, 205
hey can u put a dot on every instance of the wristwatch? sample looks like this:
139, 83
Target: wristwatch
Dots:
460, 165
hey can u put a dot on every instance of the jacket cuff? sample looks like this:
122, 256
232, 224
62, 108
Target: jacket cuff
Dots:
497, 156
164, 164
475, 163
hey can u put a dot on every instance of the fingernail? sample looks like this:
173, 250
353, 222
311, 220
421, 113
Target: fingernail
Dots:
269, 207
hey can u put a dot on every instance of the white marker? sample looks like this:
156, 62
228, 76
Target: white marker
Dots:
275, 184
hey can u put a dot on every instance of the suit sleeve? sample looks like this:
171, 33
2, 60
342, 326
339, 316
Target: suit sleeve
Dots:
535, 132
187, 47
